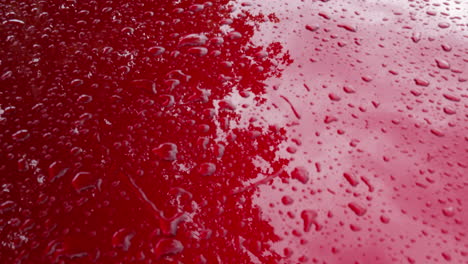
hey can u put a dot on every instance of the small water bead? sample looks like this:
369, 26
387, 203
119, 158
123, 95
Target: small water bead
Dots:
384, 219
76, 82
312, 28
448, 211
421, 82
287, 200
444, 25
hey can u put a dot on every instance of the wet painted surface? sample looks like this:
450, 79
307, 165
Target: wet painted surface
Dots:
233, 132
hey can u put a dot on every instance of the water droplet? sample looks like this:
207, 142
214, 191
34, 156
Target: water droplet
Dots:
351, 179
84, 99
437, 132
207, 169
7, 206
166, 151
334, 97
287, 200
301, 174
446, 47
444, 25
169, 225
421, 82
56, 170
348, 27
193, 40
122, 239
448, 211
83, 180
76, 82
330, 119
446, 256
452, 98
449, 111
416, 37
198, 51
196, 7
20, 135
348, 90
355, 228
156, 50
358, 209
384, 219
234, 35
168, 246
442, 64
312, 27
309, 218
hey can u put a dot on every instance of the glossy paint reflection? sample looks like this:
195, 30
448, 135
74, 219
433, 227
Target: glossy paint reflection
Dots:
233, 132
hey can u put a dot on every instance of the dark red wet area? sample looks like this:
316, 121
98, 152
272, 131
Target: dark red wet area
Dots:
233, 132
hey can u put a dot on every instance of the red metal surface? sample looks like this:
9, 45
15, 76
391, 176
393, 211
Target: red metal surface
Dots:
233, 132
